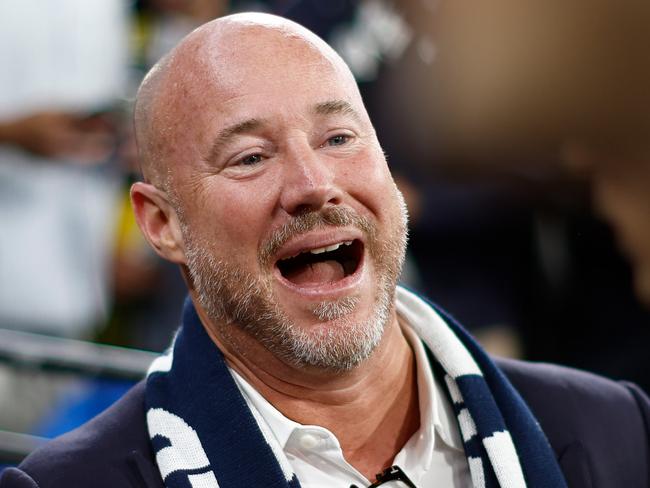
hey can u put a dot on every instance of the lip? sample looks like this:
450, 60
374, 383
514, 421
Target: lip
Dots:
314, 240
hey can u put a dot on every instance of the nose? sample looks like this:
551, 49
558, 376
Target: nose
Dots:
309, 182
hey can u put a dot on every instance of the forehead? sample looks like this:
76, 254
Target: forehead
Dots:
216, 79
275, 72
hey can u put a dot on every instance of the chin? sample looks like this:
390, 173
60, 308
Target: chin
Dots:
332, 313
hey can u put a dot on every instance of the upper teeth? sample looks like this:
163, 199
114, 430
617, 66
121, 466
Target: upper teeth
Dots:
333, 247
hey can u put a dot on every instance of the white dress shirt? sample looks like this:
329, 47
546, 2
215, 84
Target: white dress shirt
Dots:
433, 456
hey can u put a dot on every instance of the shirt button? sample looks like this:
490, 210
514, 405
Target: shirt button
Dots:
309, 441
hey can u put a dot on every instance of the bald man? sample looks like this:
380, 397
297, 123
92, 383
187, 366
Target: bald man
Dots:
299, 361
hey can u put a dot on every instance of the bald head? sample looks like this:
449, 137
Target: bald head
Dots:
258, 146
184, 90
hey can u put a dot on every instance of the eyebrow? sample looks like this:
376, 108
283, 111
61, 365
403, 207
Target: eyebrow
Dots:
336, 107
330, 107
226, 134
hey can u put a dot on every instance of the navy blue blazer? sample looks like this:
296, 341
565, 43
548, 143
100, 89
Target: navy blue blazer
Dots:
599, 430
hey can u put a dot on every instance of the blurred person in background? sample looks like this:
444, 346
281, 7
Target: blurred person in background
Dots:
64, 70
560, 92
65, 65
574, 78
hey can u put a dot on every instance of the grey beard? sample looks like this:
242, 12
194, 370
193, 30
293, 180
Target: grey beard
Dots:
336, 309
233, 298
340, 346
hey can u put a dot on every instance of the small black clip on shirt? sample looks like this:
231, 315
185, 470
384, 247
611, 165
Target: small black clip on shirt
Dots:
394, 473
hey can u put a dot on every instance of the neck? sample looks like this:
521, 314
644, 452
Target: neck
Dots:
372, 409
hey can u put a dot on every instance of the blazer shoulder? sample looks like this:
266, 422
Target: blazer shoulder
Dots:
112, 449
568, 393
608, 421
534, 375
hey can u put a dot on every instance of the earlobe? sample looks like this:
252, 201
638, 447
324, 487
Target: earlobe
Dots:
158, 221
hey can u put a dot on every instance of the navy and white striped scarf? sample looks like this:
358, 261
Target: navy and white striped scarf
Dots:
205, 436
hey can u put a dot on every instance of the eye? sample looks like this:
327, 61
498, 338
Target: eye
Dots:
251, 160
338, 140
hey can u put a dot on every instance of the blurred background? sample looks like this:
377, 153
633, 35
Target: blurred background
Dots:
518, 131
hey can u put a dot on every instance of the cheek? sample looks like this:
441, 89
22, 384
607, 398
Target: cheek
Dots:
369, 181
234, 216
245, 214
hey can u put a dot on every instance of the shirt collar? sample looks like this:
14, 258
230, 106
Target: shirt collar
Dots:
436, 413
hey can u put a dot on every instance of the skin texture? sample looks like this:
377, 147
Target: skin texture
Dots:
252, 134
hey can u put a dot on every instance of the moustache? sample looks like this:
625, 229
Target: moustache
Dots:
305, 222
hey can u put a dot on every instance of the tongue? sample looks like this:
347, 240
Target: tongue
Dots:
317, 273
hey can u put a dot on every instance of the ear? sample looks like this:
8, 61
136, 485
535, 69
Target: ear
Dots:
158, 221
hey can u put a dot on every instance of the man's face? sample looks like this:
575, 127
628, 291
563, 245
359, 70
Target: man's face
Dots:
293, 228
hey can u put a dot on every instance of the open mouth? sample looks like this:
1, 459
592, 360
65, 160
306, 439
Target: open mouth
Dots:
322, 265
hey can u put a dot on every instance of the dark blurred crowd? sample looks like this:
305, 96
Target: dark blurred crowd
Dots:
492, 125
